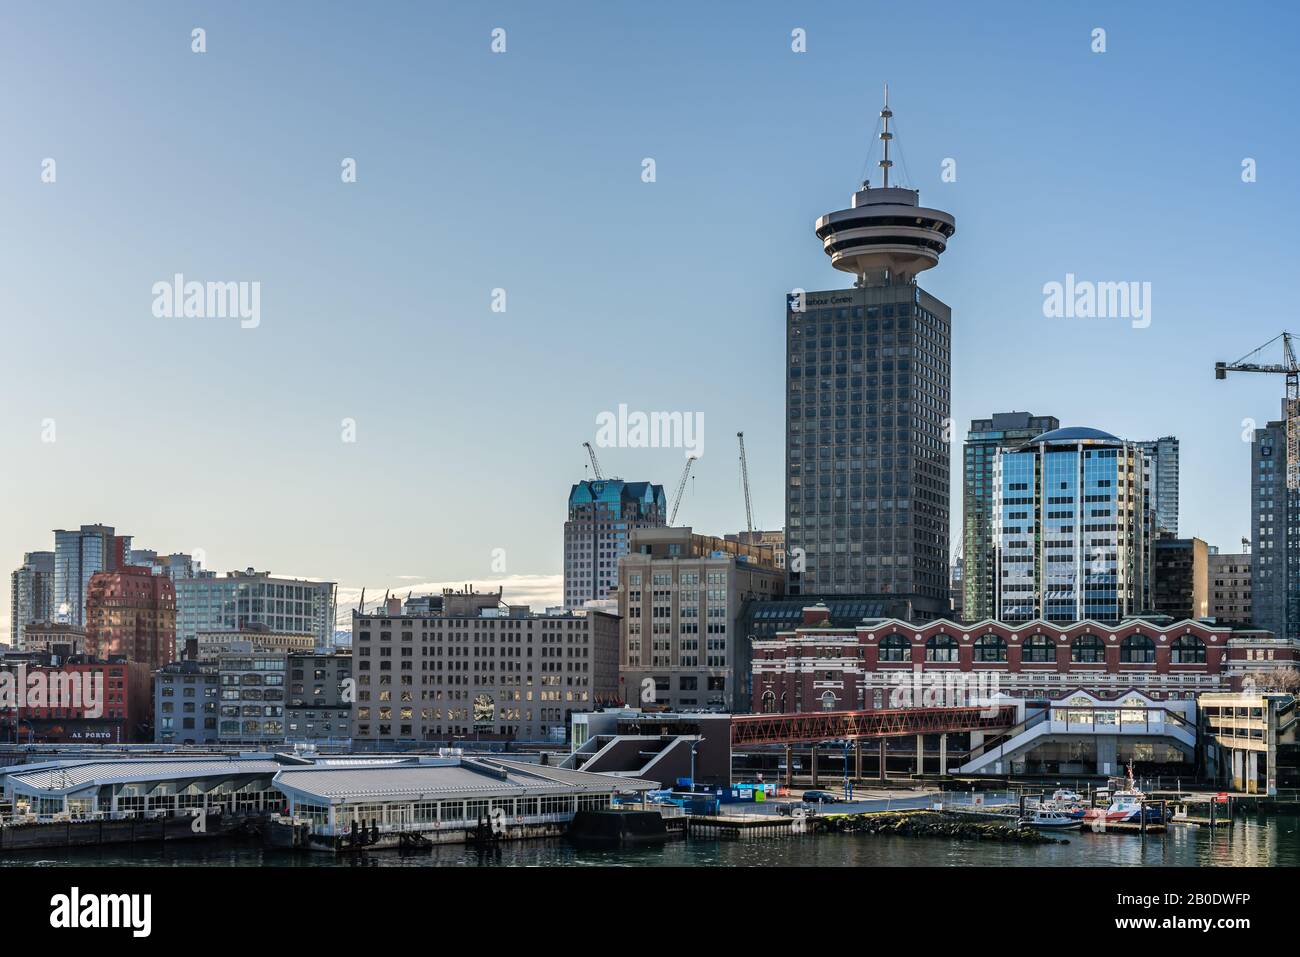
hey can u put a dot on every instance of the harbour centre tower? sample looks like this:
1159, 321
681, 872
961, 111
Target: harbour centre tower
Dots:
868, 394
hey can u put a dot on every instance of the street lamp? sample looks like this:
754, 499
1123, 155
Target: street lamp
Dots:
848, 788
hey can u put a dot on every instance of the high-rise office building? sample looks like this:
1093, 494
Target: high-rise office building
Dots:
31, 595
1164, 475
1005, 430
237, 600
1071, 528
867, 397
78, 556
1275, 509
602, 513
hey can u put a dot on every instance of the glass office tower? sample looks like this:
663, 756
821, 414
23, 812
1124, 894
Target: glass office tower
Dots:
78, 555
1005, 430
1071, 528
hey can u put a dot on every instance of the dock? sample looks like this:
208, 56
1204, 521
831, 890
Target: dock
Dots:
745, 827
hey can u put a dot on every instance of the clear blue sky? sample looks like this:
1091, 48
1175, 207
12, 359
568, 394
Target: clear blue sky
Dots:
523, 171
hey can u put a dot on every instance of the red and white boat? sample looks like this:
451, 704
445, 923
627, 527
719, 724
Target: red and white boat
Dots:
1125, 807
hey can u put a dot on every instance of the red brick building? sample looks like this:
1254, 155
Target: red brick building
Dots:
819, 667
80, 700
131, 613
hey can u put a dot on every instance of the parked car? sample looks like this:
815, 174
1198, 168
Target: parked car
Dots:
819, 797
788, 809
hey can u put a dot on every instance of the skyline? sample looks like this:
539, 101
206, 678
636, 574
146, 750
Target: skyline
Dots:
453, 459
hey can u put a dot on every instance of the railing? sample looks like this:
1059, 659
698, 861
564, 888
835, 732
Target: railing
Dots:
815, 726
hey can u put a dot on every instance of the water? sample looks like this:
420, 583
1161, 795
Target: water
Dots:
1251, 842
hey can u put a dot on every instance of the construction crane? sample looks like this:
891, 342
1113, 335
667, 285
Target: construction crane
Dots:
1289, 368
595, 463
681, 487
744, 483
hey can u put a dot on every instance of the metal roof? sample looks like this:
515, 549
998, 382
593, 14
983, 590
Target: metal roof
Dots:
467, 779
58, 778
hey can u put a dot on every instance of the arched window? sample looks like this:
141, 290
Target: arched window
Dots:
1137, 650
895, 648
941, 648
1038, 648
990, 648
828, 701
769, 702
1088, 649
1187, 650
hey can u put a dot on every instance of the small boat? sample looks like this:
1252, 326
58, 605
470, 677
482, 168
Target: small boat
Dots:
1051, 819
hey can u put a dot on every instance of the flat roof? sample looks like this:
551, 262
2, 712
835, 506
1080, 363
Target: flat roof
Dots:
464, 778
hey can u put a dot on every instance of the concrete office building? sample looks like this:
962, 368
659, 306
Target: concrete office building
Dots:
602, 514
681, 596
1164, 474
252, 702
78, 556
1180, 578
1071, 528
478, 669
1004, 430
237, 600
54, 638
256, 637
31, 595
1230, 589
774, 538
1253, 740
186, 695
320, 697
867, 397
1275, 557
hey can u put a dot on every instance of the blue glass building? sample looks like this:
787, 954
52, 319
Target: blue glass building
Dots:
1072, 528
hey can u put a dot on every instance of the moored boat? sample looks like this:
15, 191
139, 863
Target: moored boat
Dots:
1050, 819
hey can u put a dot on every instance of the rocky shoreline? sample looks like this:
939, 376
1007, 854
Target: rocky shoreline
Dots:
931, 824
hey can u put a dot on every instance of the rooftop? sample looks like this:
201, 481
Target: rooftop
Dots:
1075, 434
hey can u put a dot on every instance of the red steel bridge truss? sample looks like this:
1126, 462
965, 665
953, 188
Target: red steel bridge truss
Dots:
814, 726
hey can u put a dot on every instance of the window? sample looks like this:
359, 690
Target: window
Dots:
990, 648
1188, 650
1088, 649
895, 648
941, 648
1038, 648
1137, 650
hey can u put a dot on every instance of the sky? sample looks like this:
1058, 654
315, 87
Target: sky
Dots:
523, 171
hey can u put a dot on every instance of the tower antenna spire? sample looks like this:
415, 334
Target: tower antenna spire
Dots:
886, 136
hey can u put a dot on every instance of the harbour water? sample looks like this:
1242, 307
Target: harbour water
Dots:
1252, 842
